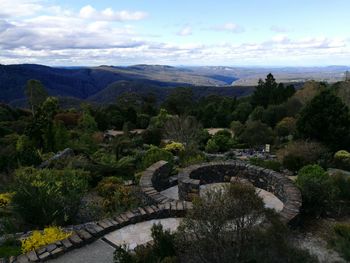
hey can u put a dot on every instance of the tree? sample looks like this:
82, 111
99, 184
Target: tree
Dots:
183, 129
317, 189
242, 112
225, 226
326, 119
35, 93
256, 134
179, 101
270, 92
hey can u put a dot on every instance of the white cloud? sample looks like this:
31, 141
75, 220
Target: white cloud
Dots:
279, 29
230, 27
19, 8
185, 31
108, 14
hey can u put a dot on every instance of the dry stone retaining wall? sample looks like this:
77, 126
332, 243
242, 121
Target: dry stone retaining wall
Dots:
192, 177
94, 230
155, 179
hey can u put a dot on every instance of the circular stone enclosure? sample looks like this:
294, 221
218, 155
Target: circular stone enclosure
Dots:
192, 177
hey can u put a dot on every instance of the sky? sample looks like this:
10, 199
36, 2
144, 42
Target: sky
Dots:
180, 32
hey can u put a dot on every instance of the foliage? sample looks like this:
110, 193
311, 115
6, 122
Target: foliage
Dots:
256, 133
268, 164
224, 226
117, 196
5, 199
342, 159
155, 154
212, 146
270, 92
190, 157
326, 119
297, 154
242, 111
237, 128
48, 196
341, 239
174, 147
179, 101
342, 183
185, 130
10, 247
317, 189
160, 120
152, 136
162, 251
39, 239
35, 93
287, 126
87, 122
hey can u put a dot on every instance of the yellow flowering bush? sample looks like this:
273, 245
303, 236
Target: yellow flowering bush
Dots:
5, 199
174, 147
41, 238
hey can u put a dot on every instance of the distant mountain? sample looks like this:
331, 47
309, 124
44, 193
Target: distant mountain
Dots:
104, 83
80, 82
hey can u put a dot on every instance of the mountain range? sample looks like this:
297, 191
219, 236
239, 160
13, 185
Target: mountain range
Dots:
104, 83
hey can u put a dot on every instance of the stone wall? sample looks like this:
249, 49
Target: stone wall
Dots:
89, 232
192, 177
155, 179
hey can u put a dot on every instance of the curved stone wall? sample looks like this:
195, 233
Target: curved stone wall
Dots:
192, 177
155, 179
89, 232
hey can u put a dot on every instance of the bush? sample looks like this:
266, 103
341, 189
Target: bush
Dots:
10, 247
300, 153
48, 196
191, 157
39, 239
342, 159
152, 136
117, 196
174, 147
268, 164
342, 183
341, 240
155, 154
5, 199
163, 250
220, 142
317, 189
256, 134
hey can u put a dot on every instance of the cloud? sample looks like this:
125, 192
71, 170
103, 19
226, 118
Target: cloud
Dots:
229, 27
19, 8
185, 31
279, 29
108, 14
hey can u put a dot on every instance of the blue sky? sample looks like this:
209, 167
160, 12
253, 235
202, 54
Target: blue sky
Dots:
222, 32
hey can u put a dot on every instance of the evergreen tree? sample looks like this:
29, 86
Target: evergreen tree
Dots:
326, 118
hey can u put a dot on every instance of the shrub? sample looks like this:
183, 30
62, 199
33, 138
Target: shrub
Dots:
268, 164
190, 157
300, 153
342, 159
341, 240
48, 196
117, 196
155, 154
38, 239
212, 147
174, 147
10, 247
342, 183
317, 189
163, 250
5, 199
152, 136
220, 142
287, 126
256, 133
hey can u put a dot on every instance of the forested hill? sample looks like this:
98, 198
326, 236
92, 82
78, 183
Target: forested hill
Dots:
85, 82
